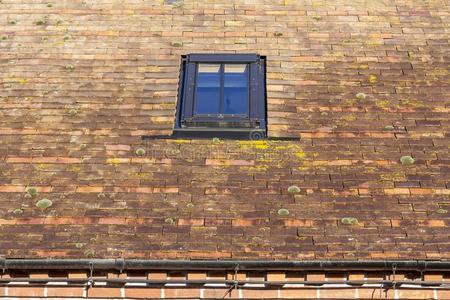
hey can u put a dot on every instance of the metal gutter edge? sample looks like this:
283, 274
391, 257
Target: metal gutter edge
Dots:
229, 265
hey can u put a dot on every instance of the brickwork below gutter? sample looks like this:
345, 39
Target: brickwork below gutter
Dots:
229, 285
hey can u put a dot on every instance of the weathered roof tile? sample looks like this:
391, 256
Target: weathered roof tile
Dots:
360, 85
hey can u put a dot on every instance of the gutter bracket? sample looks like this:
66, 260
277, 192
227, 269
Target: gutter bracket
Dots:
120, 264
3, 265
235, 284
90, 281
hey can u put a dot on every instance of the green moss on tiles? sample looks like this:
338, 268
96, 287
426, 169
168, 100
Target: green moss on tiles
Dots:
324, 113
278, 33
256, 240
190, 205
407, 160
283, 212
441, 211
72, 111
293, 189
140, 151
216, 140
49, 5
361, 96
13, 22
42, 22
83, 146
317, 18
176, 44
169, 221
32, 191
69, 67
4, 37
389, 127
17, 211
349, 221
66, 37
89, 253
101, 195
79, 245
44, 203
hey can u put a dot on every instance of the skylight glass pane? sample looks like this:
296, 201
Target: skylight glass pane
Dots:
207, 68
233, 68
207, 96
236, 89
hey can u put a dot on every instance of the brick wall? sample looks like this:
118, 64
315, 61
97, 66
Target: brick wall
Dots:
283, 285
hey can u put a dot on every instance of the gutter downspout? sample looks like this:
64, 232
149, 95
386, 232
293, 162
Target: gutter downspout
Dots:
224, 265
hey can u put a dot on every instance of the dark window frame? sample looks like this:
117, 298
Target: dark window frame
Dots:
251, 126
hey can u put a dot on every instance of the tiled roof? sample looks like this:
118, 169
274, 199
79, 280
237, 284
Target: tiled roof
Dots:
361, 85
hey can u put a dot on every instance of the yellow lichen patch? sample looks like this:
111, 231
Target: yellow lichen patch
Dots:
382, 103
155, 106
262, 145
394, 176
296, 150
74, 168
338, 54
373, 79
152, 69
139, 175
349, 118
410, 102
441, 109
438, 72
39, 167
430, 134
160, 119
348, 102
22, 80
116, 161
304, 168
180, 141
15, 80
375, 42
300, 154
258, 168
161, 94
280, 148
58, 43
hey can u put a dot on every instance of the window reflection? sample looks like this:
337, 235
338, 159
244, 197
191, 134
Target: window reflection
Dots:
234, 100
207, 100
235, 89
